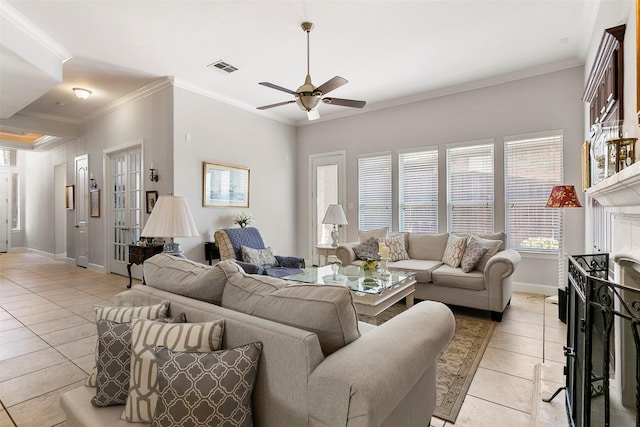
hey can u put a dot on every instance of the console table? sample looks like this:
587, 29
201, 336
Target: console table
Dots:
138, 255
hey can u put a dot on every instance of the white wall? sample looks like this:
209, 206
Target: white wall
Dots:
542, 103
223, 134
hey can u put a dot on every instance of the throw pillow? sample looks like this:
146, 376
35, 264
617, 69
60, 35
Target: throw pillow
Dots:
368, 249
114, 361
124, 315
206, 389
454, 250
263, 257
472, 254
380, 233
397, 249
146, 335
493, 248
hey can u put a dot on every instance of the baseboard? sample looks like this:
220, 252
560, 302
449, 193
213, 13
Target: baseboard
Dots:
534, 288
42, 253
60, 257
71, 261
97, 268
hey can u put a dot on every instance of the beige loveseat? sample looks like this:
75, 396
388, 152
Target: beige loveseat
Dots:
328, 371
487, 288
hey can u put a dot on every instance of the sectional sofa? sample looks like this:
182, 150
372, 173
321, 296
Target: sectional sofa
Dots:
487, 285
319, 366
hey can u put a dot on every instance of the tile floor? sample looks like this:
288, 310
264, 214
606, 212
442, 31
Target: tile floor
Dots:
47, 339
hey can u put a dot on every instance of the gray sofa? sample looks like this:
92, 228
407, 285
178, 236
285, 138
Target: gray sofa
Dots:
488, 288
334, 372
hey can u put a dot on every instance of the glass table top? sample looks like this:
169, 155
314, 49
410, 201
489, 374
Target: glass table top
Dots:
351, 276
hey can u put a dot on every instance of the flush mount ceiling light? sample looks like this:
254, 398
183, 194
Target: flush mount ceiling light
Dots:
81, 93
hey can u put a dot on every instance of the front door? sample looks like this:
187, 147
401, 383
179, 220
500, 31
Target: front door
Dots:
82, 210
126, 213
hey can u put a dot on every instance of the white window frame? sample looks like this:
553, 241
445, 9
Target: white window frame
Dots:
375, 191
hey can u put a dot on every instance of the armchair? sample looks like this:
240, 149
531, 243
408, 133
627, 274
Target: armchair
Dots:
246, 247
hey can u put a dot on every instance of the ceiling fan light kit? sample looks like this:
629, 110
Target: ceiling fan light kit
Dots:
308, 96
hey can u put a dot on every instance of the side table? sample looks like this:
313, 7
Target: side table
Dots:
138, 255
211, 251
325, 250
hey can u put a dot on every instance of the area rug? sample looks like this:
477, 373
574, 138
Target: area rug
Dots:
460, 359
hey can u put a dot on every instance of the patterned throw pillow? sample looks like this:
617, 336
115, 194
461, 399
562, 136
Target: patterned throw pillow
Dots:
263, 257
493, 248
206, 389
397, 249
454, 250
146, 335
124, 315
114, 361
368, 249
472, 254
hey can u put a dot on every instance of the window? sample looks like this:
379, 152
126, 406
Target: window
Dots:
533, 165
374, 191
470, 187
8, 157
418, 188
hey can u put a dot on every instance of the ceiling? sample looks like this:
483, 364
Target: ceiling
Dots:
391, 52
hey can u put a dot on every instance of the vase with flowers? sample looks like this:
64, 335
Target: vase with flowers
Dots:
243, 219
369, 265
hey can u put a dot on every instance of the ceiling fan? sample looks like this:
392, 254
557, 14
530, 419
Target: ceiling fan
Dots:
307, 95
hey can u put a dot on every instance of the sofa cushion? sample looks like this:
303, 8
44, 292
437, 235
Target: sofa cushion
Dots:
124, 315
427, 246
500, 235
326, 310
243, 291
206, 388
183, 277
380, 233
423, 268
367, 249
397, 249
493, 246
456, 278
146, 335
472, 254
263, 257
454, 250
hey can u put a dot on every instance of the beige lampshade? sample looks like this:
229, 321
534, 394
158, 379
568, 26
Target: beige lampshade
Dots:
170, 217
335, 215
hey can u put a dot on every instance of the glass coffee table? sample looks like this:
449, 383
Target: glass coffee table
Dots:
372, 294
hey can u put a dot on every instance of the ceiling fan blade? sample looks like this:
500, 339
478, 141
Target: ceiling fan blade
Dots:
276, 87
344, 102
332, 84
265, 107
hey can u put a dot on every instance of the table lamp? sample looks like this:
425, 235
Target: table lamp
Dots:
171, 217
335, 215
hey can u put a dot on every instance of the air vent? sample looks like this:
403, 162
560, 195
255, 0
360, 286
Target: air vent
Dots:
223, 66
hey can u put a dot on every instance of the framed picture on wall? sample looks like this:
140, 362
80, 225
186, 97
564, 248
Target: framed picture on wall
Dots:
152, 198
69, 197
94, 203
225, 186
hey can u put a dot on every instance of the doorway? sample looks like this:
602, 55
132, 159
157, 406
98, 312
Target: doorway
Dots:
82, 210
327, 187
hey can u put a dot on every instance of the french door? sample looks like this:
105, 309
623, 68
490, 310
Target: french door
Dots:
327, 187
126, 213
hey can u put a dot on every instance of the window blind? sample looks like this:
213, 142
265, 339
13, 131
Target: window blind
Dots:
374, 192
470, 192
533, 165
418, 191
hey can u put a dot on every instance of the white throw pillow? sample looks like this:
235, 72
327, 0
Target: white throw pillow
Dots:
454, 250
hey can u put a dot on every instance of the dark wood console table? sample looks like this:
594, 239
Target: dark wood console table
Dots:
138, 255
211, 251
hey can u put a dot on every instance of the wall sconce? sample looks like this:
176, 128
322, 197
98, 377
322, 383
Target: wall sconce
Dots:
153, 176
92, 182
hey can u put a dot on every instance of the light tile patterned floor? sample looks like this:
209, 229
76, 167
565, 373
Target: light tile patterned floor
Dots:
47, 338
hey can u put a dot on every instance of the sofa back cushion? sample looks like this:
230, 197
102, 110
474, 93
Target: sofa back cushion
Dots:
325, 310
184, 277
500, 235
380, 233
427, 246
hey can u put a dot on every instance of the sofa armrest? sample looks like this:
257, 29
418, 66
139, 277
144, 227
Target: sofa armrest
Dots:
362, 383
345, 253
501, 265
290, 261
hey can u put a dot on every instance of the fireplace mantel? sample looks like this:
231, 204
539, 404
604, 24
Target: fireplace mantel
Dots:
619, 190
